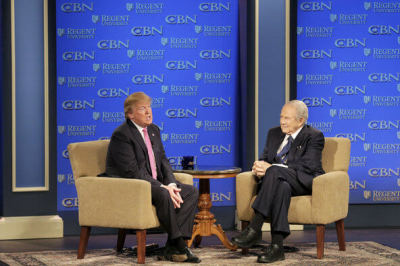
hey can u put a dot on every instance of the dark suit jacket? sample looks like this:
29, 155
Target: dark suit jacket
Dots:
304, 154
127, 155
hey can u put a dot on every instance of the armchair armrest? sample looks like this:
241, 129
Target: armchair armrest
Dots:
246, 186
184, 178
330, 197
115, 202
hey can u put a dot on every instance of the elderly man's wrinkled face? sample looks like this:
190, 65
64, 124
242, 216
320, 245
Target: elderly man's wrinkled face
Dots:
289, 122
141, 114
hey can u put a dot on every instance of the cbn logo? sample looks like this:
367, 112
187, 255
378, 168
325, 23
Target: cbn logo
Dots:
384, 77
113, 92
350, 90
77, 104
70, 202
147, 79
350, 43
354, 185
316, 102
214, 7
214, 101
65, 154
112, 44
215, 54
181, 65
384, 124
146, 31
215, 149
78, 56
316, 6
353, 137
384, 172
76, 7
384, 29
180, 19
181, 113
316, 54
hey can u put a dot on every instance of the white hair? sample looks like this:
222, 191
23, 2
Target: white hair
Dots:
301, 109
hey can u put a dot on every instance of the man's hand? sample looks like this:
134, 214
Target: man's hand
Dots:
175, 196
260, 167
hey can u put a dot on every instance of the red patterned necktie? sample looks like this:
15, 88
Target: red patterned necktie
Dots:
150, 153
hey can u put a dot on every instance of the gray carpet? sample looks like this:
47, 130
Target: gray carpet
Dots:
357, 253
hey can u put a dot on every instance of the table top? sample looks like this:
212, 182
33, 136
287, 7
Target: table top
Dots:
208, 170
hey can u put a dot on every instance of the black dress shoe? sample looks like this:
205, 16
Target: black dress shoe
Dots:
247, 238
171, 253
272, 254
191, 257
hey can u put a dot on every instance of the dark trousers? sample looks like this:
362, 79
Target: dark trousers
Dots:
177, 222
273, 197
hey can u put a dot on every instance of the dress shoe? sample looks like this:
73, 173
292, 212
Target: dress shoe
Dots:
273, 253
191, 257
171, 253
247, 238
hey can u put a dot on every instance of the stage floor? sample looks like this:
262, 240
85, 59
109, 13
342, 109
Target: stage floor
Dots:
387, 237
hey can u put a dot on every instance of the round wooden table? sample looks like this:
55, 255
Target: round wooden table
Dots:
204, 220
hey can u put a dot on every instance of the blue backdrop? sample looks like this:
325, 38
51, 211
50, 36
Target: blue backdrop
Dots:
348, 74
185, 56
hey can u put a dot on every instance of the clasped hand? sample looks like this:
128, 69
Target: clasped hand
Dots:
175, 196
259, 168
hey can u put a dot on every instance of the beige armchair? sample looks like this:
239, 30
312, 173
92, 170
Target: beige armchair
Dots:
327, 204
111, 202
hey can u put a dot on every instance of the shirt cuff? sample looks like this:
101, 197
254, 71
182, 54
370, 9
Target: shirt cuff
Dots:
172, 185
281, 165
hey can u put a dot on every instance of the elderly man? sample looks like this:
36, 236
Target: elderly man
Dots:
136, 151
290, 160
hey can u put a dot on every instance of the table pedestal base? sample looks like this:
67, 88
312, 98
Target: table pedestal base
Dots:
205, 222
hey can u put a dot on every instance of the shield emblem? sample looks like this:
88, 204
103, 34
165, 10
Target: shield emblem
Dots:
367, 99
131, 53
95, 18
333, 65
96, 115
60, 32
367, 194
198, 29
366, 146
398, 182
96, 67
60, 178
61, 80
367, 5
61, 129
129, 6
333, 17
367, 51
299, 77
332, 112
299, 30
164, 41
197, 76
164, 136
398, 134
164, 88
71, 179
198, 123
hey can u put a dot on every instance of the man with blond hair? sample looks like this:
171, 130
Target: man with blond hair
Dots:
290, 160
136, 151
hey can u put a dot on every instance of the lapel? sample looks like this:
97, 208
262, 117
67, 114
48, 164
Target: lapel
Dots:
137, 136
277, 143
297, 143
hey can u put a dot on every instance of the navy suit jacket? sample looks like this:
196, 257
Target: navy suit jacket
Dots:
127, 155
304, 154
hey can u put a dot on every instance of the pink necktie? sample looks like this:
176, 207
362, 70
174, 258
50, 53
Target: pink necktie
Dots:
150, 153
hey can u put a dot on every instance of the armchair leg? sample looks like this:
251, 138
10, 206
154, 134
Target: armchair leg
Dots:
141, 246
320, 240
121, 239
245, 251
340, 234
83, 241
